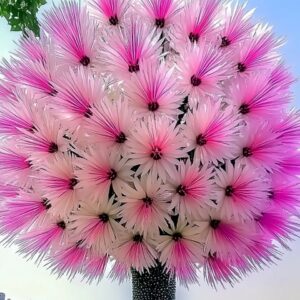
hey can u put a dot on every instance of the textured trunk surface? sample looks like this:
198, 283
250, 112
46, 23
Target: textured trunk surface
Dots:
153, 285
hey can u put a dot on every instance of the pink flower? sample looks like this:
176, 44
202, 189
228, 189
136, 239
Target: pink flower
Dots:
8, 191
153, 91
201, 70
74, 33
111, 12
258, 52
97, 223
125, 51
58, 183
134, 250
212, 131
254, 97
290, 164
110, 124
196, 22
162, 14
146, 206
180, 249
243, 192
77, 92
260, 147
192, 189
99, 170
155, 146
237, 24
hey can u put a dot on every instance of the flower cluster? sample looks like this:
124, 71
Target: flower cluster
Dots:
137, 131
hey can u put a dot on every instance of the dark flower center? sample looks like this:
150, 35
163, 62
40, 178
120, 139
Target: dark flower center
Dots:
153, 106
201, 140
46, 203
104, 217
247, 152
61, 224
195, 81
88, 113
85, 60
177, 236
241, 67
181, 190
72, 183
229, 191
160, 23
137, 238
53, 148
225, 41
194, 37
113, 20
53, 92
156, 153
147, 200
112, 174
121, 138
214, 224
271, 194
244, 109
134, 68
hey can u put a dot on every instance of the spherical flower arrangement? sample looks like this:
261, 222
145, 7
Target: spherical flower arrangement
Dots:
152, 134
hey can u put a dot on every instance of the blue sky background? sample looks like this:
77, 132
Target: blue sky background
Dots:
22, 280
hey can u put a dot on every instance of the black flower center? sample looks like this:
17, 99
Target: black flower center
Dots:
88, 113
201, 140
181, 190
225, 41
194, 37
113, 20
61, 224
247, 152
133, 68
195, 81
104, 217
112, 174
121, 138
244, 109
214, 223
53, 148
241, 67
271, 194
229, 191
147, 200
153, 106
72, 183
53, 92
46, 203
156, 153
177, 236
160, 23
138, 238
85, 60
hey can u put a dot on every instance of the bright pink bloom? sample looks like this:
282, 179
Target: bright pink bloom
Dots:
237, 24
111, 12
153, 91
196, 22
192, 189
180, 249
146, 206
155, 145
243, 192
97, 223
258, 52
73, 31
161, 13
212, 131
201, 70
99, 170
127, 49
290, 164
135, 251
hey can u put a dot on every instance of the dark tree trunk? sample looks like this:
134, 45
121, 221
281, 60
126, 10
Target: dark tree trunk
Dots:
153, 285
